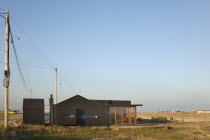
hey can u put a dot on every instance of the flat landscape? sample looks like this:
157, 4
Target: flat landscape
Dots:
177, 116
12, 117
151, 126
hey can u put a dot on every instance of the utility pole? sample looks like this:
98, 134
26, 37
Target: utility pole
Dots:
56, 90
6, 71
30, 93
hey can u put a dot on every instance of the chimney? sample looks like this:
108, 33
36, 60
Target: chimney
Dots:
51, 110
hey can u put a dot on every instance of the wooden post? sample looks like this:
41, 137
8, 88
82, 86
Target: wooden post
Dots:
129, 115
115, 115
135, 117
122, 115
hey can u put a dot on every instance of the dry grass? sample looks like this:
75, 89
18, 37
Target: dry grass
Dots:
179, 132
185, 131
1, 115
177, 116
198, 129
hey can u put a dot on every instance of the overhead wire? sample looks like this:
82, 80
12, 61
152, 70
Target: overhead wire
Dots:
17, 60
33, 43
28, 65
65, 81
2, 16
105, 110
23, 77
31, 40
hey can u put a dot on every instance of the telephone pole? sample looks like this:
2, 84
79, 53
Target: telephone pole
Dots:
56, 90
6, 71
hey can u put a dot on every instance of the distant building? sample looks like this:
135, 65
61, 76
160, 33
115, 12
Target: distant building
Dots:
207, 111
193, 112
202, 111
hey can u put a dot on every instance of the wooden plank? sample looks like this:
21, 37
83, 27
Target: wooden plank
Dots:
122, 115
115, 115
135, 117
129, 115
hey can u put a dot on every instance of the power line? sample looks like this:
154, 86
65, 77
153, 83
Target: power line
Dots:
67, 83
46, 61
95, 102
33, 43
2, 16
32, 66
17, 60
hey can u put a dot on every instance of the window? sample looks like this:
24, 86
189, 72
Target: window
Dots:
71, 116
89, 116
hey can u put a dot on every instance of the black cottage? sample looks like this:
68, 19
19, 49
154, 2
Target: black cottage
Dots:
80, 111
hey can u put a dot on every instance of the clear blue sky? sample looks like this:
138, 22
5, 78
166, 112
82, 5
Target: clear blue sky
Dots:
154, 52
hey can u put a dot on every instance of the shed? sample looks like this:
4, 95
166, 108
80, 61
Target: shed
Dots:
33, 111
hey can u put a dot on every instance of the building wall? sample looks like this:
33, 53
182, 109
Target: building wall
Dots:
200, 111
203, 111
65, 115
207, 111
87, 113
33, 111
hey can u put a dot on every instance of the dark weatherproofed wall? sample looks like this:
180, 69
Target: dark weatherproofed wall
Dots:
85, 110
33, 111
82, 108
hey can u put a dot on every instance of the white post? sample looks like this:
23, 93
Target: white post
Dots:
30, 93
56, 94
6, 72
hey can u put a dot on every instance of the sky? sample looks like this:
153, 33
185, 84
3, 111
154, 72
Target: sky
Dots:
152, 52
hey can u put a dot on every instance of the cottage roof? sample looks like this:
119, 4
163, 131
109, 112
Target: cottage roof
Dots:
78, 99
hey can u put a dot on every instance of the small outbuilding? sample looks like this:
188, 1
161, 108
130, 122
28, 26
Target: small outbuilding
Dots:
33, 111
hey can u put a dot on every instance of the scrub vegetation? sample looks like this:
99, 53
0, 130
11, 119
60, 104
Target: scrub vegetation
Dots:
177, 130
1, 115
